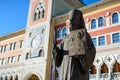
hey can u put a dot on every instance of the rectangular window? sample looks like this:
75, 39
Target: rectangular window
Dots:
11, 46
116, 38
14, 45
5, 48
19, 57
1, 49
13, 59
94, 41
3, 61
101, 41
9, 59
0, 61
21, 43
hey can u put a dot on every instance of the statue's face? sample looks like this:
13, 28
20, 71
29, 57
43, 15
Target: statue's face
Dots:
68, 24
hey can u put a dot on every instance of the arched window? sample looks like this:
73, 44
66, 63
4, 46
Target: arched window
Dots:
33, 77
27, 55
59, 33
43, 13
39, 15
92, 69
100, 22
115, 18
39, 11
16, 77
93, 24
64, 32
35, 16
41, 54
116, 67
104, 68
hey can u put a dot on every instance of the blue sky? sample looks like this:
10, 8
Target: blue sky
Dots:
13, 15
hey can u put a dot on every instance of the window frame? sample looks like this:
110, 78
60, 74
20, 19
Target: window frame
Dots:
1, 49
112, 37
19, 57
96, 41
63, 33
104, 41
101, 22
60, 33
39, 11
95, 24
112, 21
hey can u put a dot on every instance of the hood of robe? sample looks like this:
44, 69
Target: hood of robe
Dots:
77, 20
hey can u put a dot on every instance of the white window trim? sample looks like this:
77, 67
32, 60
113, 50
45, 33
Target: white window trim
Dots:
66, 30
105, 40
112, 38
13, 59
57, 34
104, 24
9, 60
96, 41
37, 9
19, 58
97, 28
87, 26
4, 61
118, 19
0, 61
2, 48
96, 24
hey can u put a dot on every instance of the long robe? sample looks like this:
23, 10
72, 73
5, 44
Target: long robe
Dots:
71, 67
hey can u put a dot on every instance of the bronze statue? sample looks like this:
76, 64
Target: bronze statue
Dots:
75, 66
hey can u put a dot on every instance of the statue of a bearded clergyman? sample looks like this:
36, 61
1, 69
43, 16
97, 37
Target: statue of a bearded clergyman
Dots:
76, 52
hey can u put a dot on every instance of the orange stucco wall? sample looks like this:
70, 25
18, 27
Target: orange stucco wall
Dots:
15, 52
97, 32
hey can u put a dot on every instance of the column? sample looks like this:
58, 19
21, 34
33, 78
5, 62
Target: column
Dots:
118, 58
110, 61
98, 62
19, 77
107, 19
13, 77
53, 70
8, 77
3, 77
110, 69
98, 69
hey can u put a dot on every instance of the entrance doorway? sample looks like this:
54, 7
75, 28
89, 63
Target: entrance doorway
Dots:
33, 77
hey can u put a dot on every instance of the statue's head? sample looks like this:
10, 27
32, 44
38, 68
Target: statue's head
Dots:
76, 20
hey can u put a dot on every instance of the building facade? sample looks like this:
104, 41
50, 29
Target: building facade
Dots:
27, 54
